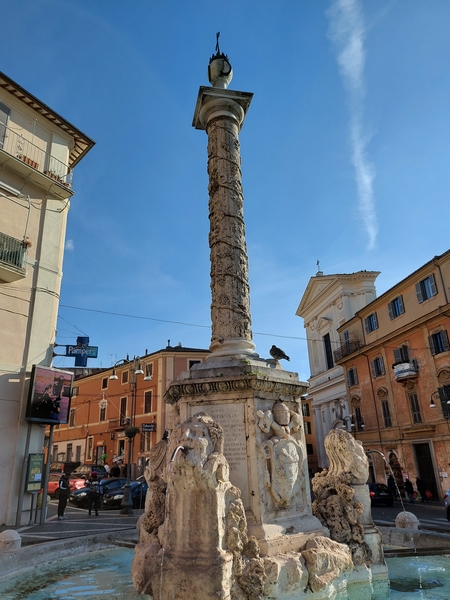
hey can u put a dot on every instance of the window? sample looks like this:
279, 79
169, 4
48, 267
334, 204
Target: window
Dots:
102, 416
194, 362
401, 355
352, 377
359, 421
328, 351
309, 449
147, 402
145, 441
74, 391
378, 366
439, 342
386, 413
123, 411
77, 453
55, 453
396, 307
90, 443
72, 417
371, 322
69, 453
444, 395
426, 288
347, 339
104, 383
307, 427
305, 410
415, 408
4, 114
125, 376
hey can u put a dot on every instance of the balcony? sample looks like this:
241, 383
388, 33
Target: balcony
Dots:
46, 169
406, 370
118, 424
12, 258
346, 349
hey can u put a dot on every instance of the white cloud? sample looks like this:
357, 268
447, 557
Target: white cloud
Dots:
69, 245
347, 33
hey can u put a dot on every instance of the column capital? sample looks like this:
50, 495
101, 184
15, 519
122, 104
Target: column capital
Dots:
211, 101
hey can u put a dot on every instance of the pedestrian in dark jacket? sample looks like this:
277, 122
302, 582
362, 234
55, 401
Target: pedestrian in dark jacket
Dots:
94, 493
422, 489
409, 489
392, 485
63, 494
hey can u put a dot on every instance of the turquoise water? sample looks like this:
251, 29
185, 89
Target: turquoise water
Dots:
420, 577
106, 574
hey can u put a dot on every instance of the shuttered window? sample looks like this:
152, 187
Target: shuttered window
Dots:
352, 377
328, 351
426, 288
415, 408
439, 342
378, 366
371, 322
401, 355
386, 413
396, 307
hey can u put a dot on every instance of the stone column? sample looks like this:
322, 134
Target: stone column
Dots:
221, 112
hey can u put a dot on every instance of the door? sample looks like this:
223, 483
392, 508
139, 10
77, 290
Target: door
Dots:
425, 469
4, 114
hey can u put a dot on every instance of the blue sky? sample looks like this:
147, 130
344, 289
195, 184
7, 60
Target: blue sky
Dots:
345, 153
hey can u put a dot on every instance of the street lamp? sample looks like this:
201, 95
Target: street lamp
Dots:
131, 431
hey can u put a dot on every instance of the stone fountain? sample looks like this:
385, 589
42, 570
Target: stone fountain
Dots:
229, 513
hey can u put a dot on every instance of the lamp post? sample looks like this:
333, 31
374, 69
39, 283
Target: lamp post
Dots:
131, 431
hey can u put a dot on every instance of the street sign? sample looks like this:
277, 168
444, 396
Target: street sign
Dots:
87, 351
148, 427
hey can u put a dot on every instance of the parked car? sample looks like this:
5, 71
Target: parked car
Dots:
53, 484
380, 494
447, 504
79, 497
64, 467
86, 470
114, 499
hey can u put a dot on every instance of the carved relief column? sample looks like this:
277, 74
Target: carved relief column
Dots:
221, 112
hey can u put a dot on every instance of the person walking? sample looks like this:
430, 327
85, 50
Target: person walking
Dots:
392, 486
422, 489
409, 489
64, 490
94, 493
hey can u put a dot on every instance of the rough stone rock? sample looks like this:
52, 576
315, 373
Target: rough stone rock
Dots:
335, 506
326, 561
10, 540
286, 574
407, 520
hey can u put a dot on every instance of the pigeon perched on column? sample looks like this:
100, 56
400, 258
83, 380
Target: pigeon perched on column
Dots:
277, 353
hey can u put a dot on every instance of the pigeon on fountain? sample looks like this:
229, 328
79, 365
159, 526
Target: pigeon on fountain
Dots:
277, 353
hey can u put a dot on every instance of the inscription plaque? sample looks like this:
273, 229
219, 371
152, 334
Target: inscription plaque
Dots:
232, 419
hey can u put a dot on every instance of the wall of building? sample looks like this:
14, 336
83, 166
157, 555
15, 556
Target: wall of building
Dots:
33, 208
104, 431
395, 403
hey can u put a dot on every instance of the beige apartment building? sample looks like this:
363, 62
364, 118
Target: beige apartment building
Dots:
38, 152
396, 356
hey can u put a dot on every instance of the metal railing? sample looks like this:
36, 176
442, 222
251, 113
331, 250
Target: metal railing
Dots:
18, 146
346, 349
12, 251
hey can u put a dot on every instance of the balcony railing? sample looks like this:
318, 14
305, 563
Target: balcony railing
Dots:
18, 146
12, 258
121, 423
346, 349
406, 370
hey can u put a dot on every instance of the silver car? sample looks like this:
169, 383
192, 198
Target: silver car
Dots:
447, 504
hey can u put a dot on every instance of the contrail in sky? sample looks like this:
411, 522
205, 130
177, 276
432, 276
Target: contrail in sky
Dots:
347, 33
